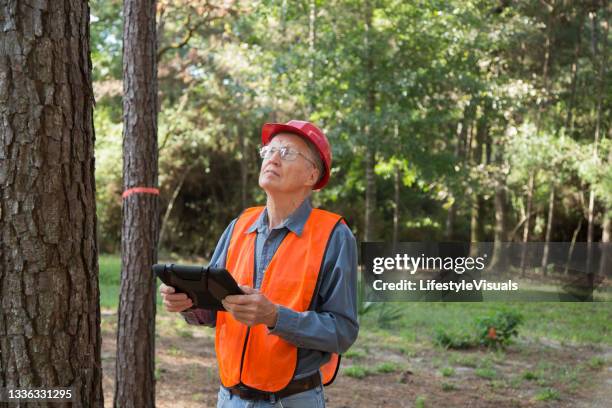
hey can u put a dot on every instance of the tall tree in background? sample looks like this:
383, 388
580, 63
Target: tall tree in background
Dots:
135, 382
369, 132
49, 297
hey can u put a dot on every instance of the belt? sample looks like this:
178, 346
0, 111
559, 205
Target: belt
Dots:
294, 387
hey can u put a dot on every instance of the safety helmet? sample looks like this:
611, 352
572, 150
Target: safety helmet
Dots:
311, 133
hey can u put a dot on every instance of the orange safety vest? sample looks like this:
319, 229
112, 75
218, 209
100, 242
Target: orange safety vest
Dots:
251, 356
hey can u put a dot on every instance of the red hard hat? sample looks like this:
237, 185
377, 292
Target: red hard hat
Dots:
308, 131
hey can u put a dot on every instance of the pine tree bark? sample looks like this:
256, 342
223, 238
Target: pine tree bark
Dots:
134, 379
49, 295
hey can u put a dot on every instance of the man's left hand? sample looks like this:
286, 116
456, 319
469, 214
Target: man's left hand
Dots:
252, 308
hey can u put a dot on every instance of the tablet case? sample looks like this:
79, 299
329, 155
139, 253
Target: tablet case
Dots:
205, 286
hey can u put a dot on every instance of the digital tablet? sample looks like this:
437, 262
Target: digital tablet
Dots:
205, 286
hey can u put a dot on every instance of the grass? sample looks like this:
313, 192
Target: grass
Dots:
564, 322
487, 373
530, 376
110, 280
463, 360
596, 362
547, 394
447, 372
354, 354
446, 386
357, 371
387, 367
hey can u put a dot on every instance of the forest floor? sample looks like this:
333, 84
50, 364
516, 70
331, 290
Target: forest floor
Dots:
383, 370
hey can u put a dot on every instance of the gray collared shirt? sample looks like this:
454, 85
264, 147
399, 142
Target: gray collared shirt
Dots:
331, 327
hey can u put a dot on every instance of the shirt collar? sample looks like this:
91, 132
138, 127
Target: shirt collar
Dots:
294, 223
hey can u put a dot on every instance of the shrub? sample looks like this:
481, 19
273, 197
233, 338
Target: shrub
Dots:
498, 330
491, 331
454, 340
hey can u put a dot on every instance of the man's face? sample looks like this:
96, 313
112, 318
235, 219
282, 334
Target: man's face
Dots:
287, 176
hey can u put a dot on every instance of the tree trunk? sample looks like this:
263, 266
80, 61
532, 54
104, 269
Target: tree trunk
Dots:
546, 67
49, 295
134, 378
396, 200
527, 225
569, 121
551, 213
461, 147
477, 200
605, 264
501, 208
370, 199
570, 252
601, 83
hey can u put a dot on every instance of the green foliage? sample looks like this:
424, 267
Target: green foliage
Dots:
495, 330
447, 372
456, 340
452, 93
356, 371
499, 329
388, 315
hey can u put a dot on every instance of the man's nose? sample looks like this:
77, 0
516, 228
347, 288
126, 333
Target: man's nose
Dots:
275, 158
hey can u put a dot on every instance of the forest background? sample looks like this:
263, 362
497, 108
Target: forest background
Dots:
449, 120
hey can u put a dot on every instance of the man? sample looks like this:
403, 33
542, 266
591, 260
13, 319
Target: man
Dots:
279, 342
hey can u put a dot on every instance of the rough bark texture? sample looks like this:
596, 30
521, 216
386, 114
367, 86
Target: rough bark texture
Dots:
49, 297
135, 382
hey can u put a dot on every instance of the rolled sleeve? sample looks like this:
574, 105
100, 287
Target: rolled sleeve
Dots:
200, 317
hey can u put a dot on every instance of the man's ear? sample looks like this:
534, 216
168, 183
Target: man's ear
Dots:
313, 177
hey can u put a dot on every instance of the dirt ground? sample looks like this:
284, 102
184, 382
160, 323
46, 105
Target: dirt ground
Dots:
557, 375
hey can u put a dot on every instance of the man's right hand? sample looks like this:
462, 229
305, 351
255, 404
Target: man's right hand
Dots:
174, 302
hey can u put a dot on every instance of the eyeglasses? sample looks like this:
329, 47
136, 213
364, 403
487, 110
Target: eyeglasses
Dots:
286, 153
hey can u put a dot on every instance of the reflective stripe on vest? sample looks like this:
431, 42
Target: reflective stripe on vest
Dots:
251, 356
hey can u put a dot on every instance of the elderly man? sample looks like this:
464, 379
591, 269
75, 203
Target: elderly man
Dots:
280, 342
